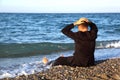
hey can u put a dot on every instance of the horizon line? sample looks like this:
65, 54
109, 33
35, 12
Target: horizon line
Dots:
59, 12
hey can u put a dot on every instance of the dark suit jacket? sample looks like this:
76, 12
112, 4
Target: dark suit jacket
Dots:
84, 45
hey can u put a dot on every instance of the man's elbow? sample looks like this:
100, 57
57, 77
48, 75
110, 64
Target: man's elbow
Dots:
63, 30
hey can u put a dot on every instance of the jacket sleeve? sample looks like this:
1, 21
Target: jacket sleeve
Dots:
67, 31
93, 31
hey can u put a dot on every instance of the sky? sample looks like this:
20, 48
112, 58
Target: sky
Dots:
59, 6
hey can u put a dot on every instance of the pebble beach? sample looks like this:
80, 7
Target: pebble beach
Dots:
102, 70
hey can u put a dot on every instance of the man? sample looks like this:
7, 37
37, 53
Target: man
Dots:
84, 44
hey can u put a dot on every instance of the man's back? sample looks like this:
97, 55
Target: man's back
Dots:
84, 48
84, 44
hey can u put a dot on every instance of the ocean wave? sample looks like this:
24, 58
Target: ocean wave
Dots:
108, 44
33, 49
114, 45
22, 69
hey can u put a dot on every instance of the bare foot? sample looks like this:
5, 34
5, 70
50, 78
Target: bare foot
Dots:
45, 60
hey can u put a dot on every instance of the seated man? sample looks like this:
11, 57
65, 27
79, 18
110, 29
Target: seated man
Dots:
84, 44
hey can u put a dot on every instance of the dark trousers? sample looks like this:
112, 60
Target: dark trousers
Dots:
63, 61
74, 61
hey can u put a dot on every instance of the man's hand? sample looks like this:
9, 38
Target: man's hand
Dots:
80, 21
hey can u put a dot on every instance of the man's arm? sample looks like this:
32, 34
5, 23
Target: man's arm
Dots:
93, 30
67, 31
93, 26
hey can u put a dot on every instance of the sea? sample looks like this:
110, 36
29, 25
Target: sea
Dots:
25, 38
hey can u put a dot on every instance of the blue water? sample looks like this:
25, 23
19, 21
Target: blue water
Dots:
36, 28
26, 38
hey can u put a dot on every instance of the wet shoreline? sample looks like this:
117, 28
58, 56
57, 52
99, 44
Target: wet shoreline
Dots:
103, 70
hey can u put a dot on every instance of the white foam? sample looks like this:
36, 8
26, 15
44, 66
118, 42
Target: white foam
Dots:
23, 69
113, 44
6, 75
